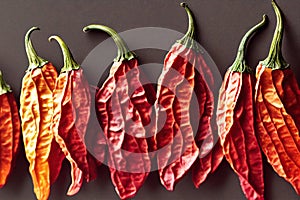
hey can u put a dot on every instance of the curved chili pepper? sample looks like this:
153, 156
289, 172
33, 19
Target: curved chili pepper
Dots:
9, 129
236, 123
36, 109
71, 103
277, 132
123, 111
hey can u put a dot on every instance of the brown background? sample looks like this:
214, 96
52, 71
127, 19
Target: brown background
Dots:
220, 27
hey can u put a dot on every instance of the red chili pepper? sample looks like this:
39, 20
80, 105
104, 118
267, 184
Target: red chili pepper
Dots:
236, 123
71, 103
9, 129
95, 139
123, 110
206, 135
183, 72
36, 113
276, 129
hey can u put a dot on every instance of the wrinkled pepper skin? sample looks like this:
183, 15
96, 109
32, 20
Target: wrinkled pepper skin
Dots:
276, 131
123, 110
9, 130
288, 91
276, 127
236, 123
175, 140
211, 154
71, 104
36, 109
185, 72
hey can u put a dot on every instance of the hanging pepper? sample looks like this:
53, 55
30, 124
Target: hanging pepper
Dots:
236, 123
43, 154
124, 112
9, 130
71, 104
277, 132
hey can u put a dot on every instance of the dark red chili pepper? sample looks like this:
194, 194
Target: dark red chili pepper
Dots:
236, 123
123, 110
71, 104
36, 109
277, 131
95, 139
9, 129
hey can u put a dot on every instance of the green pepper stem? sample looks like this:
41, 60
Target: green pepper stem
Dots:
34, 60
239, 64
188, 39
275, 59
4, 87
123, 52
69, 62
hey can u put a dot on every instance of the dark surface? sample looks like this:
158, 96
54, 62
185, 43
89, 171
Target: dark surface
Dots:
220, 24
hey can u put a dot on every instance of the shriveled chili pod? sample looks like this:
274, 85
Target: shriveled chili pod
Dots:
71, 112
123, 111
183, 73
236, 122
276, 130
286, 83
36, 110
9, 130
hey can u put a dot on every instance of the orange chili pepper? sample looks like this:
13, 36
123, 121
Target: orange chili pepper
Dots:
36, 109
9, 129
277, 132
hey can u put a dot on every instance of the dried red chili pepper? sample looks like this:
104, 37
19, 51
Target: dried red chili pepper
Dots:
183, 72
236, 123
36, 114
71, 104
177, 149
95, 139
210, 155
9, 129
123, 111
277, 132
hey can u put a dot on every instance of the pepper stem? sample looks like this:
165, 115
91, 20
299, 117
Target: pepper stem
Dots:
69, 62
34, 60
4, 87
275, 59
188, 39
239, 64
123, 52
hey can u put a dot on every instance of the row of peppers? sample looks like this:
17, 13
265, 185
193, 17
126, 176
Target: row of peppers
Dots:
254, 113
